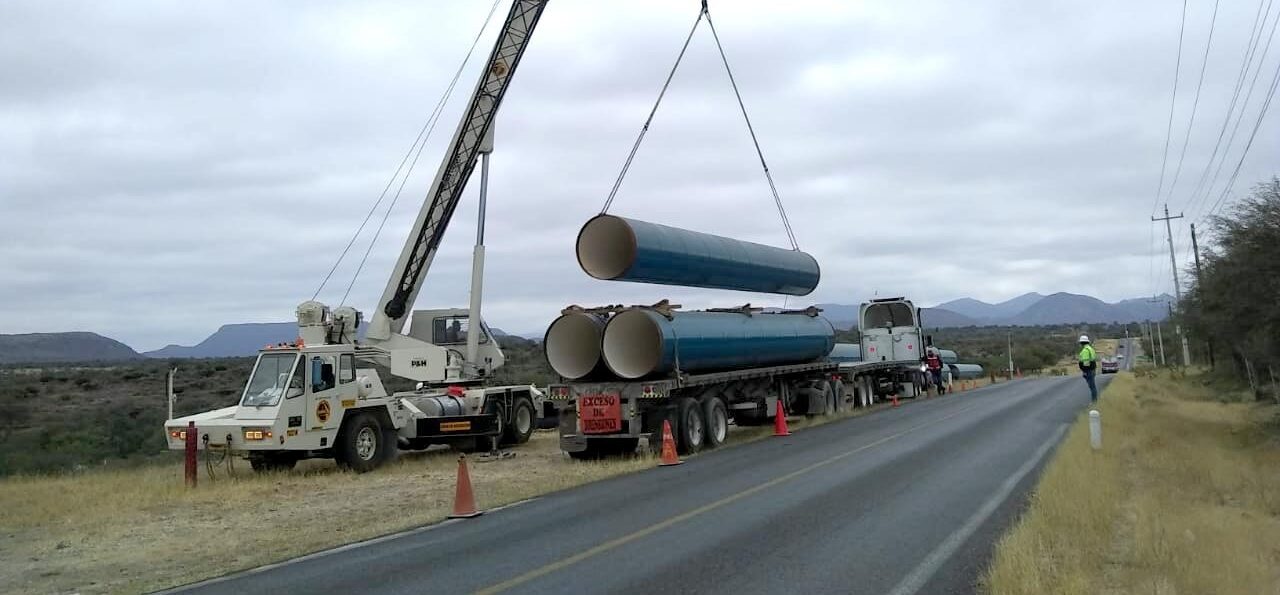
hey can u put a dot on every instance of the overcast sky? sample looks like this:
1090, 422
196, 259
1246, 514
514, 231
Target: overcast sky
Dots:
168, 167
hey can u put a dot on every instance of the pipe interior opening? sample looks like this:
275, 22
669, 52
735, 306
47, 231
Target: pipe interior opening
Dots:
573, 345
606, 247
632, 344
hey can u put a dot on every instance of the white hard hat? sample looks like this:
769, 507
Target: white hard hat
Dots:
1084, 338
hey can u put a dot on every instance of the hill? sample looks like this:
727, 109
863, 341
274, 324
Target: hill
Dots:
62, 347
981, 311
940, 318
233, 340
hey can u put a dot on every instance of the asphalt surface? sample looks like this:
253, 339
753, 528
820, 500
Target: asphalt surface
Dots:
906, 500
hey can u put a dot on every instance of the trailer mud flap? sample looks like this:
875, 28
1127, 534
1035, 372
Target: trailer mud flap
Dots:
457, 425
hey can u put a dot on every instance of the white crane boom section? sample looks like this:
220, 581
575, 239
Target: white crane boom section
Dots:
459, 161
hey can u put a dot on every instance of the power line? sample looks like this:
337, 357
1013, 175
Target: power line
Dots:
1173, 101
1251, 48
1195, 103
1262, 114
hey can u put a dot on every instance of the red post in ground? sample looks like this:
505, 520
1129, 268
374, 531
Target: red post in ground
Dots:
780, 421
895, 399
192, 470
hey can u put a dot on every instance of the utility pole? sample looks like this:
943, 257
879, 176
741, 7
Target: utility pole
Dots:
1010, 356
1160, 335
1177, 287
1195, 249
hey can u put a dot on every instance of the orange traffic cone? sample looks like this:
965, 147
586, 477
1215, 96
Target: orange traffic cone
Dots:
780, 421
895, 399
464, 500
669, 457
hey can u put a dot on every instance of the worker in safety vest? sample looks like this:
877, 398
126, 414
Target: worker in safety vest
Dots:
933, 361
1089, 366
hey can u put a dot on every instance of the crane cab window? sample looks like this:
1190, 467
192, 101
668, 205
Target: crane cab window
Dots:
324, 370
347, 368
452, 330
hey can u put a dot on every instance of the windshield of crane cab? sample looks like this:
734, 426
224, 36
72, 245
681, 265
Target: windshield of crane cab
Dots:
272, 378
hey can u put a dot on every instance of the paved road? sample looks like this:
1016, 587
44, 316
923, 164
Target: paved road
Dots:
905, 500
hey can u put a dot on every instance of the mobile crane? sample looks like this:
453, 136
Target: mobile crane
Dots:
322, 396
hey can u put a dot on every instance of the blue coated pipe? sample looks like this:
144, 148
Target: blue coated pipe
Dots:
965, 371
641, 342
846, 352
621, 249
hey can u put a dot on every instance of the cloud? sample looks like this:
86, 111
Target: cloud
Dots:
167, 167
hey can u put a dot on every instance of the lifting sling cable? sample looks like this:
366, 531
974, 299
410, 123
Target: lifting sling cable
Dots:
706, 12
424, 134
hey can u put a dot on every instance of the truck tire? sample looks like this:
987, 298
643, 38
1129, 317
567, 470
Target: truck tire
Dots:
829, 399
716, 420
690, 430
362, 444
520, 425
837, 387
267, 463
811, 395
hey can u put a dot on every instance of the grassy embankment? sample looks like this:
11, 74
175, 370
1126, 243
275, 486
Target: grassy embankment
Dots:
1184, 497
135, 529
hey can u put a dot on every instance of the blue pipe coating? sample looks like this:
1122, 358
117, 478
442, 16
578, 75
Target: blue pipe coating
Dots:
642, 342
621, 249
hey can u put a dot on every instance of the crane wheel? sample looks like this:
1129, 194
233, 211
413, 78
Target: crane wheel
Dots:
362, 444
522, 422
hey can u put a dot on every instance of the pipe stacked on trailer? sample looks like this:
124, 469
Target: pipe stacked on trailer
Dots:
621, 249
641, 342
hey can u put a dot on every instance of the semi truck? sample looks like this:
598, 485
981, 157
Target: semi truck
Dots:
608, 416
322, 396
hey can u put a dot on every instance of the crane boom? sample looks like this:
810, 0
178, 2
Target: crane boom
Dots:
446, 190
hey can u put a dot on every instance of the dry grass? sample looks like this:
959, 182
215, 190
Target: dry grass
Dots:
1184, 498
140, 529
130, 530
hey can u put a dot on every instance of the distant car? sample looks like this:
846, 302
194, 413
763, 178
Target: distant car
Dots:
1110, 366
1121, 356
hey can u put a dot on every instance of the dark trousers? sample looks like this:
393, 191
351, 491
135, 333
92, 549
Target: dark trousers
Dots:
1093, 386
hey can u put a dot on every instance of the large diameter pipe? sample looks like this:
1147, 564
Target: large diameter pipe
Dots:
572, 345
639, 343
948, 356
846, 352
620, 249
966, 371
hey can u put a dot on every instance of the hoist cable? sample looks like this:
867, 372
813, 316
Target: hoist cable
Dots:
416, 151
626, 166
644, 129
786, 223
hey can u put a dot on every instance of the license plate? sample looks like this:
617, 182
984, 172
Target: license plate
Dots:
600, 414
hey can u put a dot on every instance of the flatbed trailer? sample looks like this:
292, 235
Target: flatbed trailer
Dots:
613, 416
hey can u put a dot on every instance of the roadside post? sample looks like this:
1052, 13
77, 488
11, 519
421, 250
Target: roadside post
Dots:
1095, 429
192, 471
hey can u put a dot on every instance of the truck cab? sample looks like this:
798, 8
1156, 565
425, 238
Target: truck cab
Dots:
890, 330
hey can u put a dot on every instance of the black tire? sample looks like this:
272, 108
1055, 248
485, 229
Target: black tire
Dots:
362, 444
268, 463
811, 395
828, 399
690, 430
837, 387
522, 422
492, 442
715, 418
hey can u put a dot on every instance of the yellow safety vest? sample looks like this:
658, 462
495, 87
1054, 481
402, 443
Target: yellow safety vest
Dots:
1087, 354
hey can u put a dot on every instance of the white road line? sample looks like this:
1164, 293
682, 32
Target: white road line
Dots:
912, 583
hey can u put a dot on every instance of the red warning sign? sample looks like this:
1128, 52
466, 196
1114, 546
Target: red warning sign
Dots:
600, 414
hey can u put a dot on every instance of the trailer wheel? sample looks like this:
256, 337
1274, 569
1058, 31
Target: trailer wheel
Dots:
716, 419
829, 399
691, 431
362, 444
521, 423
837, 387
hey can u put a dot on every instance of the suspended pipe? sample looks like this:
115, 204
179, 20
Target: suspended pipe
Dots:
642, 342
621, 249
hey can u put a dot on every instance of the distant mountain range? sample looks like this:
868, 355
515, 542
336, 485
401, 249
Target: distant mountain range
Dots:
62, 347
244, 340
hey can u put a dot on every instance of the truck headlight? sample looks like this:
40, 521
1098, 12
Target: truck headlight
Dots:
257, 434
